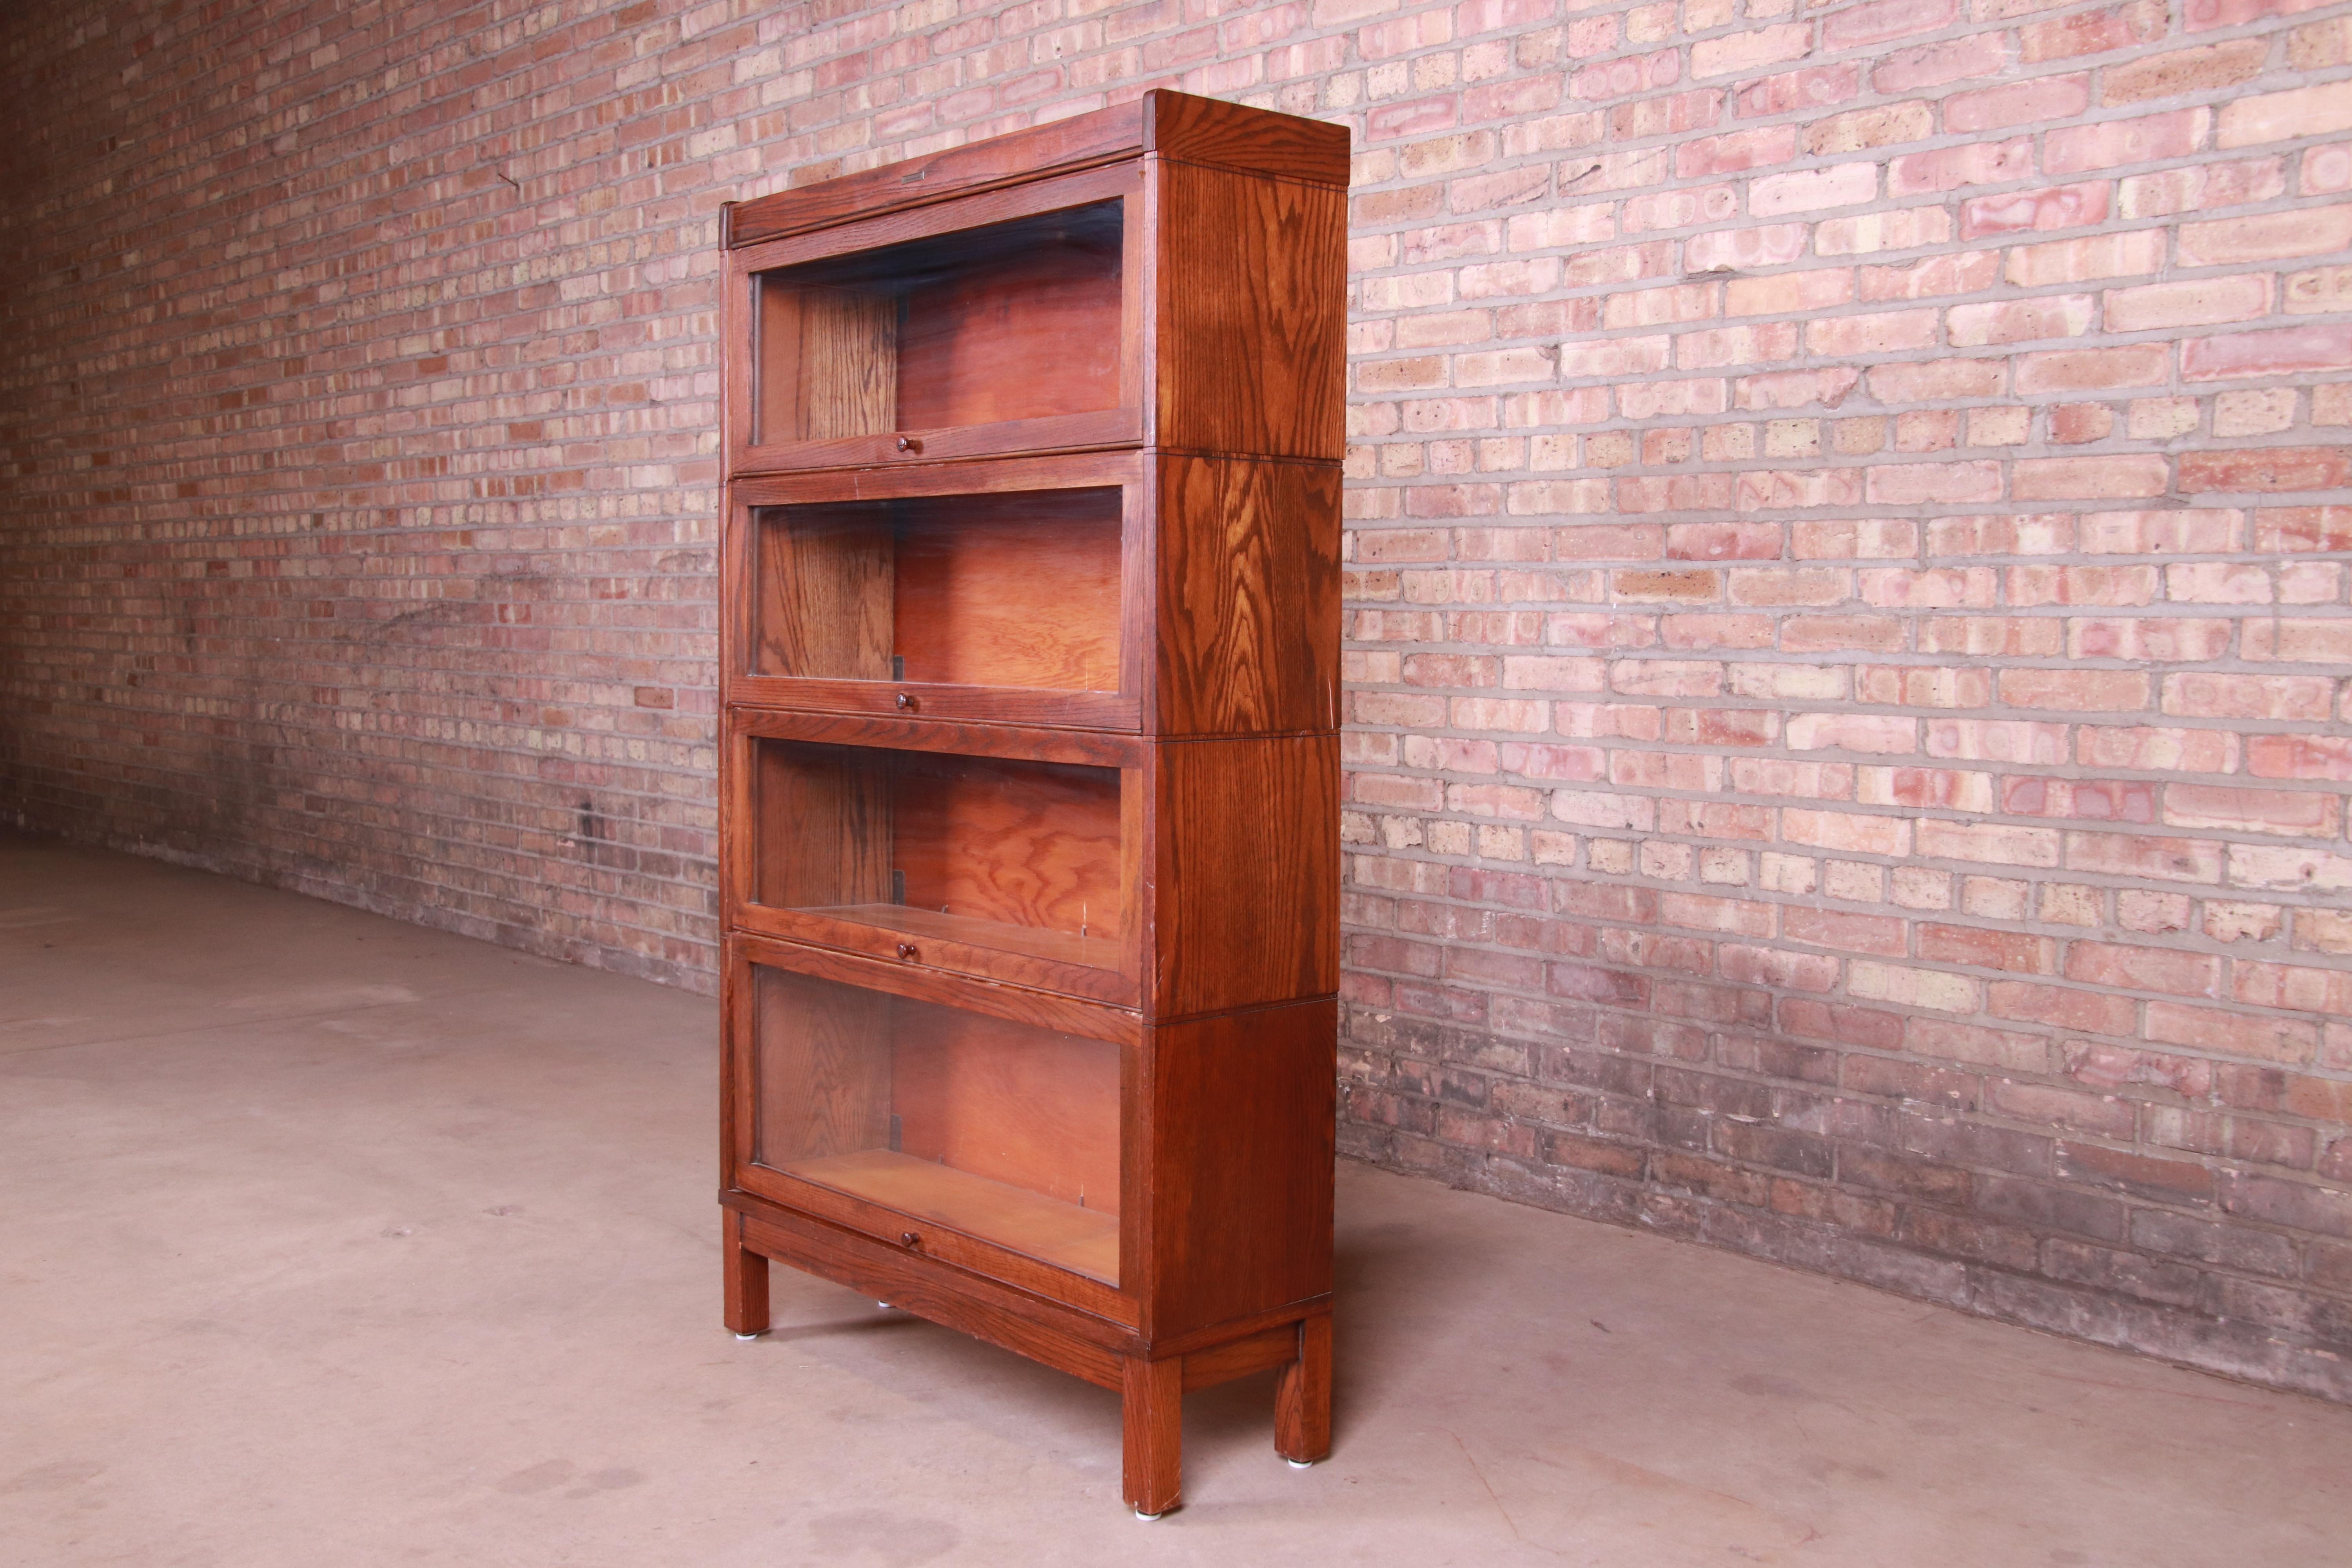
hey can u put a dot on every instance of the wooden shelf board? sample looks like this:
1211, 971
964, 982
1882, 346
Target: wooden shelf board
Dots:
1085, 1241
1032, 942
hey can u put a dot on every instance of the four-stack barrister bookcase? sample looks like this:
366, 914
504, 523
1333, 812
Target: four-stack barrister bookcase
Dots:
1030, 776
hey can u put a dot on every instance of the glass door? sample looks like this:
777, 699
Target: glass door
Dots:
944, 1128
999, 323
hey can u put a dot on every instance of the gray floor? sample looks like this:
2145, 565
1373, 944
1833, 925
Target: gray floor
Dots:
328, 1240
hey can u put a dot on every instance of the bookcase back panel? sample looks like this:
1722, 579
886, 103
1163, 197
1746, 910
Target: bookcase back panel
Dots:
1019, 589
1023, 857
1003, 1130
1019, 320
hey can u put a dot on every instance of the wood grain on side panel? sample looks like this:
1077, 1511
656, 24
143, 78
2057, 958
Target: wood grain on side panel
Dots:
824, 1067
1249, 601
824, 830
1253, 315
1242, 1150
1249, 873
828, 362
821, 602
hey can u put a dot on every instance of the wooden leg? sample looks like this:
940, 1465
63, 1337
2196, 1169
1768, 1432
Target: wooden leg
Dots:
1302, 1399
1151, 1410
747, 1281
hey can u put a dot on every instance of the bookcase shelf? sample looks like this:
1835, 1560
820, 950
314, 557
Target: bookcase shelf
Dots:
1029, 775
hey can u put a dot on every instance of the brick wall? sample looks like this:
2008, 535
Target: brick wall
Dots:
1848, 638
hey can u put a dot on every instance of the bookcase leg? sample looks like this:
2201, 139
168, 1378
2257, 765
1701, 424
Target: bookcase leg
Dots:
1302, 1399
1151, 1410
747, 1281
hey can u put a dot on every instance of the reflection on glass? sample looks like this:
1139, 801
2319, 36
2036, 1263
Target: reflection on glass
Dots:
1017, 589
1004, 1131
1016, 320
1018, 857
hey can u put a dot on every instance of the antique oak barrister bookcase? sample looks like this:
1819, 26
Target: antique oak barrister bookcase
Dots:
1030, 779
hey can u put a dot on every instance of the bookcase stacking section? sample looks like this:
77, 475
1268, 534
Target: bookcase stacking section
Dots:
1029, 774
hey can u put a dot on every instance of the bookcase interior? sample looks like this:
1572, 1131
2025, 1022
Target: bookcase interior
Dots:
1005, 589
1020, 320
1018, 857
1005, 1132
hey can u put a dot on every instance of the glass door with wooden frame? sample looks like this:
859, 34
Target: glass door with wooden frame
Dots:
1007, 592
994, 323
950, 1128
1009, 868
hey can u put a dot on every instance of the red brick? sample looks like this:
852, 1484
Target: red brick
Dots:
2094, 479
2092, 32
2265, 237
2057, 206
2112, 143
2144, 968
2194, 302
2291, 350
2267, 468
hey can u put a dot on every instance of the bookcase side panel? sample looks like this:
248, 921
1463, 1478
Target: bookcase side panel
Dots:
1251, 314
1247, 873
1241, 1159
1246, 616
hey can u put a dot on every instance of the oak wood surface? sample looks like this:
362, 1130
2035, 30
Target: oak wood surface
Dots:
942, 1245
825, 832
1152, 1425
1024, 156
1013, 869
744, 1281
1085, 1241
825, 1070
1060, 471
1030, 1108
1027, 335
825, 601
1302, 1396
829, 362
1240, 1357
1210, 130
1070, 433
1246, 883
1069, 1015
1036, 1326
1030, 708
1251, 335
1247, 605
1019, 589
1011, 955
1240, 1148
1095, 749
1025, 571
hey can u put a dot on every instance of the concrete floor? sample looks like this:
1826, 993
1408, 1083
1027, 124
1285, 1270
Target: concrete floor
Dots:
329, 1240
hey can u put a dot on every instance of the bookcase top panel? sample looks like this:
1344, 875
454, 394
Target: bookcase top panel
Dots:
1173, 124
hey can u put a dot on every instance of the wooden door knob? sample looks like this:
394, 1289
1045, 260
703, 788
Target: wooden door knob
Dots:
908, 443
906, 702
908, 951
909, 1238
